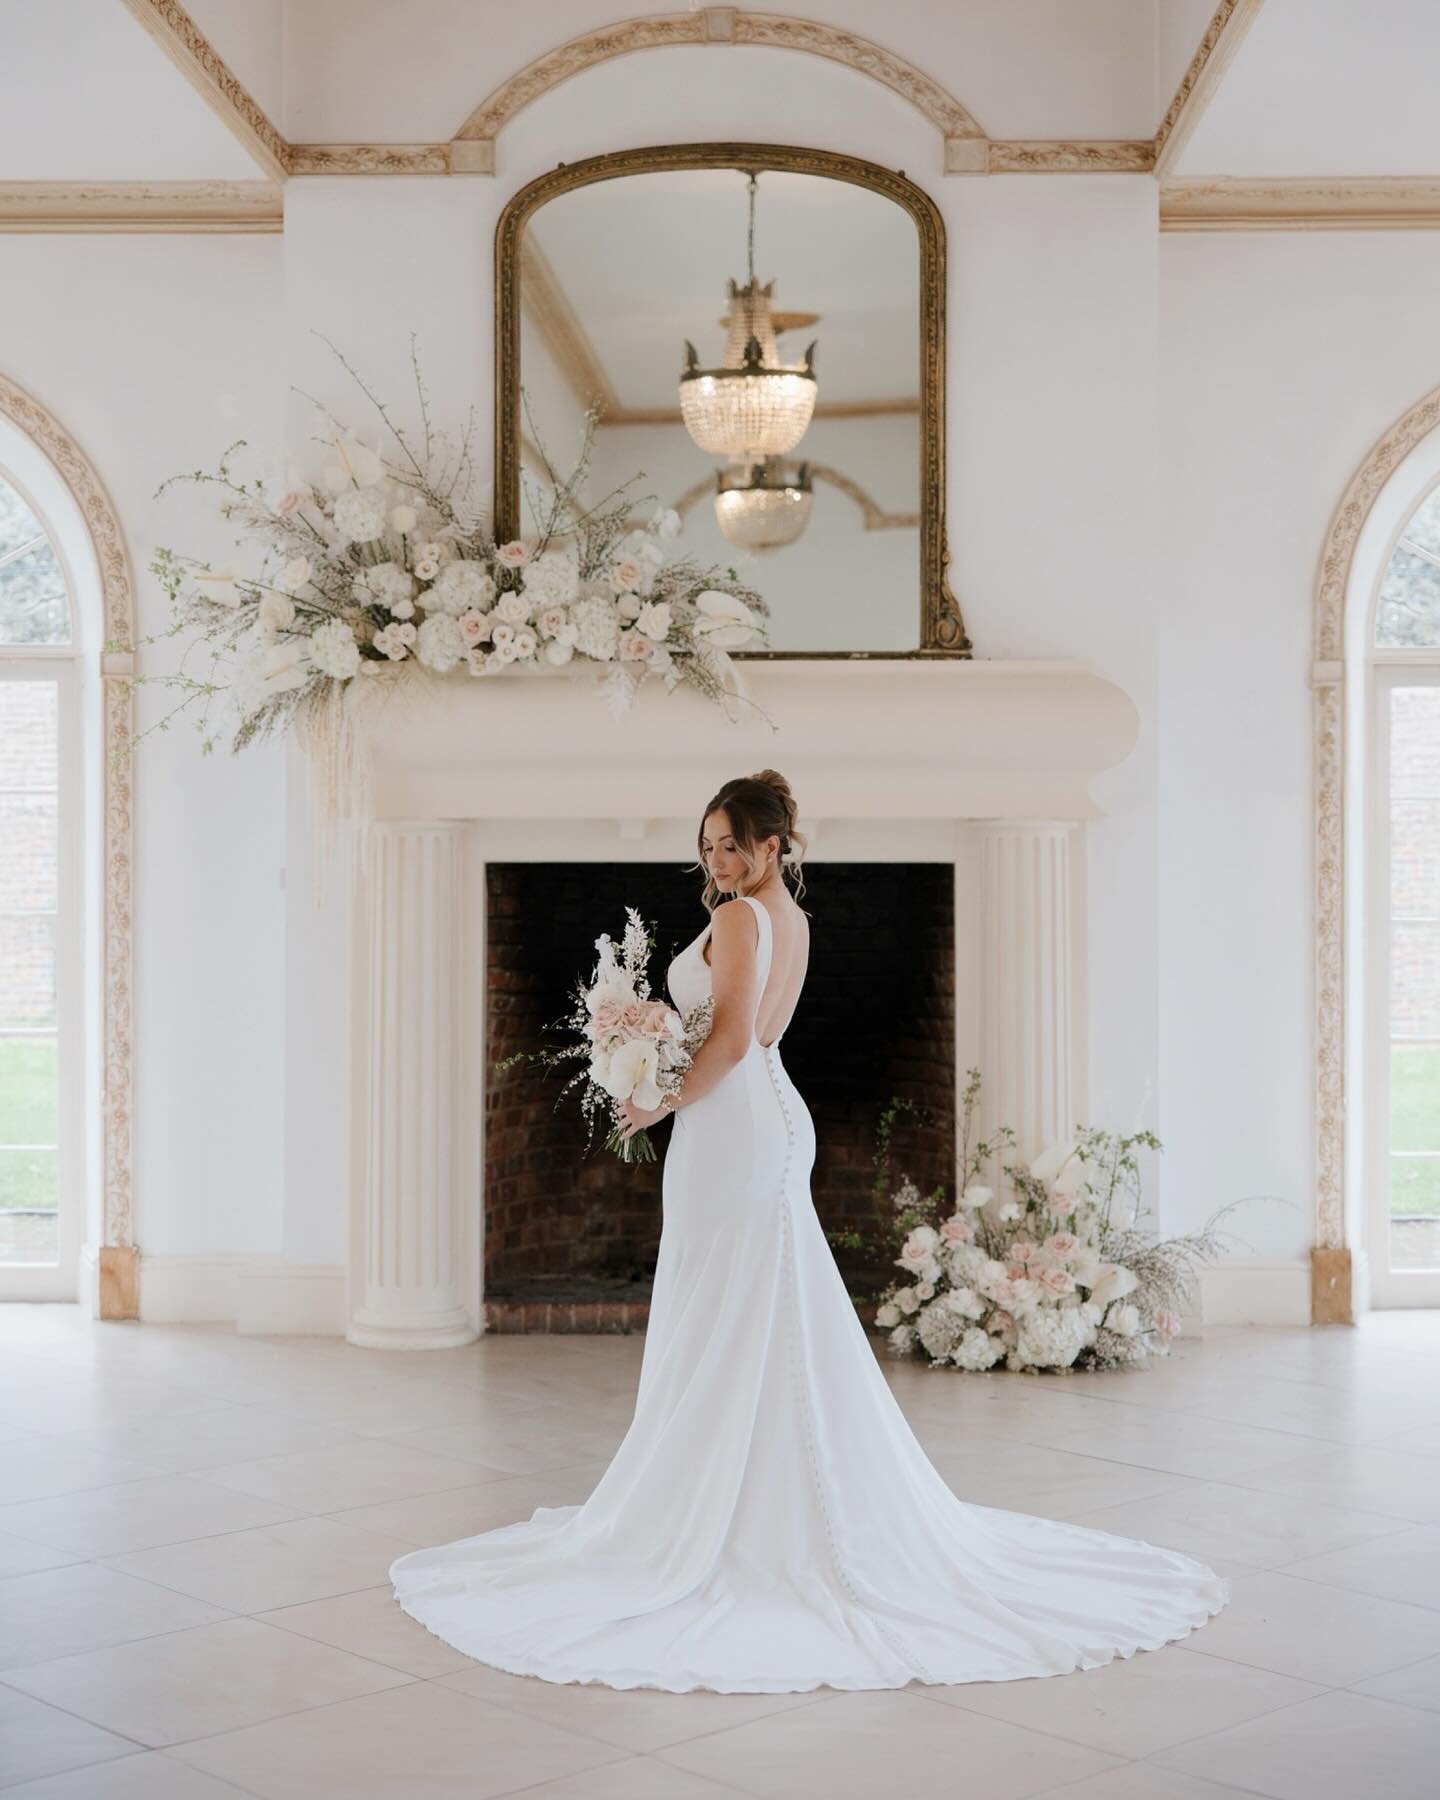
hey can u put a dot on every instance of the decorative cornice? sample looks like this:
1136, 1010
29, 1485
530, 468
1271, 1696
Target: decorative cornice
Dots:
1341, 203
118, 609
1059, 156
198, 206
206, 70
370, 159
1223, 37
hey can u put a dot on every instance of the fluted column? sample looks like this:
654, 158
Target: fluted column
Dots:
407, 1281
1017, 976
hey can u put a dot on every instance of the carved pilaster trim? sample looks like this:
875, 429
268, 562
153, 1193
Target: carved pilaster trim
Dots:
210, 75
1328, 712
1216, 51
370, 159
192, 206
117, 925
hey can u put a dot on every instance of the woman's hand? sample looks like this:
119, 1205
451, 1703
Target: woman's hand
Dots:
635, 1118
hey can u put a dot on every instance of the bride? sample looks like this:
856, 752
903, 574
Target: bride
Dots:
770, 1523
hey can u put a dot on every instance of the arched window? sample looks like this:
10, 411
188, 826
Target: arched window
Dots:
42, 905
1402, 904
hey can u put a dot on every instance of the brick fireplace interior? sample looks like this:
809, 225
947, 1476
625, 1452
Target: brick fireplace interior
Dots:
571, 1238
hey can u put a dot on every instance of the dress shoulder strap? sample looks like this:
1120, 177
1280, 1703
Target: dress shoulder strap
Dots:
766, 926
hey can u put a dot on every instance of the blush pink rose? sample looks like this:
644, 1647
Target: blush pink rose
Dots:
653, 1022
1063, 1243
1167, 1326
607, 1015
633, 1013
513, 555
1002, 1321
1015, 1269
957, 1230
474, 626
288, 502
1057, 1281
1002, 1293
1023, 1249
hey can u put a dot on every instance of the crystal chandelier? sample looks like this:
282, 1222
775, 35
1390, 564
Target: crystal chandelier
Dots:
765, 505
754, 405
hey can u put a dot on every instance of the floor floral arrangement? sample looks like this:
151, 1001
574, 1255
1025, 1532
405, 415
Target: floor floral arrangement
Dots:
383, 562
1048, 1270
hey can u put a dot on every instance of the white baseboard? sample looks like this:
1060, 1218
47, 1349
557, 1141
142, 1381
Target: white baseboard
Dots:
254, 1293
1255, 1291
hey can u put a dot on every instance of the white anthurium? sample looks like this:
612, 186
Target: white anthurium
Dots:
632, 1072
1112, 1282
352, 464
725, 621
297, 572
1060, 1167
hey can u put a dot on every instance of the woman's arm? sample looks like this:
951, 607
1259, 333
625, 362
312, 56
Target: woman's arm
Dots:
734, 962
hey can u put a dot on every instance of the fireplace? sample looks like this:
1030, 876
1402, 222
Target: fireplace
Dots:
945, 803
570, 1242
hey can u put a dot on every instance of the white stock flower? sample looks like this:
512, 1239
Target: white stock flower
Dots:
333, 649
461, 587
725, 621
359, 515
440, 645
902, 1338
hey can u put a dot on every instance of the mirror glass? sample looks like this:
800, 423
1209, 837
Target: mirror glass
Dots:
820, 463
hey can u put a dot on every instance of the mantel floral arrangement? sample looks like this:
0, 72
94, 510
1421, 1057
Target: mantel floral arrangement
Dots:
382, 563
1050, 1270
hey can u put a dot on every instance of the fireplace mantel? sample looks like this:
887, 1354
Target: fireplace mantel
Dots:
892, 738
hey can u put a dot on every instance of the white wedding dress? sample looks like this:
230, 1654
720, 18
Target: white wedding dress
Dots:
770, 1523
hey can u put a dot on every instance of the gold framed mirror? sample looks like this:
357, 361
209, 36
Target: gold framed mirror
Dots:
616, 286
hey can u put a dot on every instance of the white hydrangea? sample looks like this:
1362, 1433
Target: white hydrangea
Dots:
597, 630
390, 586
966, 1263
461, 587
441, 644
553, 579
359, 515
333, 649
977, 1350
965, 1303
940, 1330
1051, 1338
902, 1338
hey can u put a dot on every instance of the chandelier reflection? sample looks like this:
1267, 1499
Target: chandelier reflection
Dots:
764, 505
753, 406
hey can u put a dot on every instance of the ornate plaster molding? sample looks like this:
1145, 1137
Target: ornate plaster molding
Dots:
206, 70
718, 25
192, 206
1369, 203
1223, 37
1046, 156
118, 603
1328, 683
370, 159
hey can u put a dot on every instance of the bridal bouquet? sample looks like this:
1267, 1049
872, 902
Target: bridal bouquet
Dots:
374, 562
634, 1047
1051, 1274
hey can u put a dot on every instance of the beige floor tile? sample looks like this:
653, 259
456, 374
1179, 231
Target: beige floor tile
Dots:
425, 1739
279, 1565
148, 1775
85, 1606
202, 1441
370, 1623
22, 1556
138, 1515
1401, 1484
1134, 1705
1145, 1781
99, 1399
1025, 1477
1341, 1746
48, 1466
372, 1408
1416, 1685
1403, 1565
1177, 1442
192, 1684
637, 1719
36, 1739
465, 1511
365, 1471
1215, 1518
637, 1778
895, 1744
1314, 1632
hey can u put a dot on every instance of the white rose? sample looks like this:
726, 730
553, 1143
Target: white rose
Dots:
426, 567
925, 1290
887, 1315
907, 1300
558, 652
524, 644
654, 619
513, 608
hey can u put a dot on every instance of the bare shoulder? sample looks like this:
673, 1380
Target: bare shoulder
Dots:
734, 924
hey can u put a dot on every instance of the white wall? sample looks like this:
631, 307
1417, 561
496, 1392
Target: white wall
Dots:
1284, 356
156, 352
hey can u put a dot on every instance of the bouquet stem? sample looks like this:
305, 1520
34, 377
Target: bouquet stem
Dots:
637, 1148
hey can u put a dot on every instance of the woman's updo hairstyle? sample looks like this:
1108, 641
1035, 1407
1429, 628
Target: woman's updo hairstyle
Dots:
758, 806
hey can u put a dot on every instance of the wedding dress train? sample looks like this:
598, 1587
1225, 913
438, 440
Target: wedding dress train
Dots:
770, 1523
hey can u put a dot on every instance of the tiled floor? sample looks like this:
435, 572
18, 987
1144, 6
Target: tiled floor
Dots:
195, 1530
